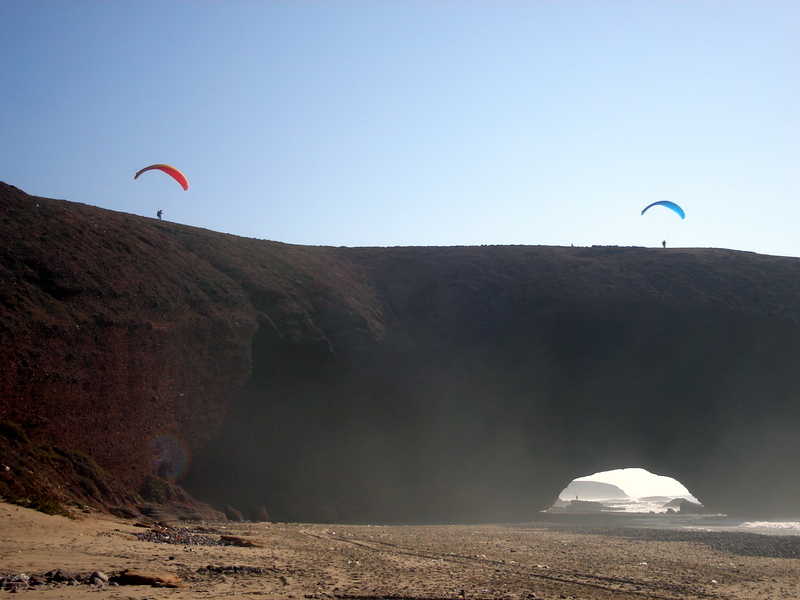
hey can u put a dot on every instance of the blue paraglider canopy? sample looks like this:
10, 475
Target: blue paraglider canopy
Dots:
670, 205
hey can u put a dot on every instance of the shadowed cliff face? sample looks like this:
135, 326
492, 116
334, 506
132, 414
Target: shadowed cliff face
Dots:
398, 384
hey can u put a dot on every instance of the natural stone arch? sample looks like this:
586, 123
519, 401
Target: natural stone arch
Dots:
463, 383
443, 423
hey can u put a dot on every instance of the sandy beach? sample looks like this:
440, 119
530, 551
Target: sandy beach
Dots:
538, 560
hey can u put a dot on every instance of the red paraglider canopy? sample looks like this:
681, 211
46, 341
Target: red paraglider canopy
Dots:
169, 170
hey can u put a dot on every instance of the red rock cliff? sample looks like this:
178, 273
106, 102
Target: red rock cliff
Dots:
117, 329
466, 383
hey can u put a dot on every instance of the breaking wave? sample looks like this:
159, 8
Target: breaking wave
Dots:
791, 525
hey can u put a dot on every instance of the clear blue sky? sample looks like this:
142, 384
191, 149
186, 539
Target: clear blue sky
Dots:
415, 122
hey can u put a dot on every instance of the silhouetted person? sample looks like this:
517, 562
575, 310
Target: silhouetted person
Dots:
663, 244
159, 213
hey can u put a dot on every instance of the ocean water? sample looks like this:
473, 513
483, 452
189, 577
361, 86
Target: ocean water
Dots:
711, 522
636, 505
651, 512
783, 527
724, 523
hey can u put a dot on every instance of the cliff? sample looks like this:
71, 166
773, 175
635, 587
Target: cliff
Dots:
394, 384
591, 490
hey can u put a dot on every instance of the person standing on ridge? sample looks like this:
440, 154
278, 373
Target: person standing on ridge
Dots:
159, 213
663, 243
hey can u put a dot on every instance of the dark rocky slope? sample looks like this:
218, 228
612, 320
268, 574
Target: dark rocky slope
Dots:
395, 384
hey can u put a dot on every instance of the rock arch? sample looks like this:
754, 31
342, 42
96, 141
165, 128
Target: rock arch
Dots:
482, 402
398, 384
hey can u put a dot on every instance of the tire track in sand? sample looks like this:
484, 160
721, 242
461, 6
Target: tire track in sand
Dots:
646, 589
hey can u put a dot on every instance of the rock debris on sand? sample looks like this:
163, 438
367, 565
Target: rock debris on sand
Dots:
22, 581
192, 537
233, 570
59, 577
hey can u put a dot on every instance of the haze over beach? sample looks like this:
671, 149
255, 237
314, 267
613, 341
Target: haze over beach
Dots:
333, 299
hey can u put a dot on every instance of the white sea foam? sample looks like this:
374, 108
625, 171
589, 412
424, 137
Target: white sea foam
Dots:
647, 505
633, 505
792, 525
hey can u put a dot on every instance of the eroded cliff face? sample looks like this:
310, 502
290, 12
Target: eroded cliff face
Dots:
396, 384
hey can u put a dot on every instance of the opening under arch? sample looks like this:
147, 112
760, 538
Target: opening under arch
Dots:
631, 490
